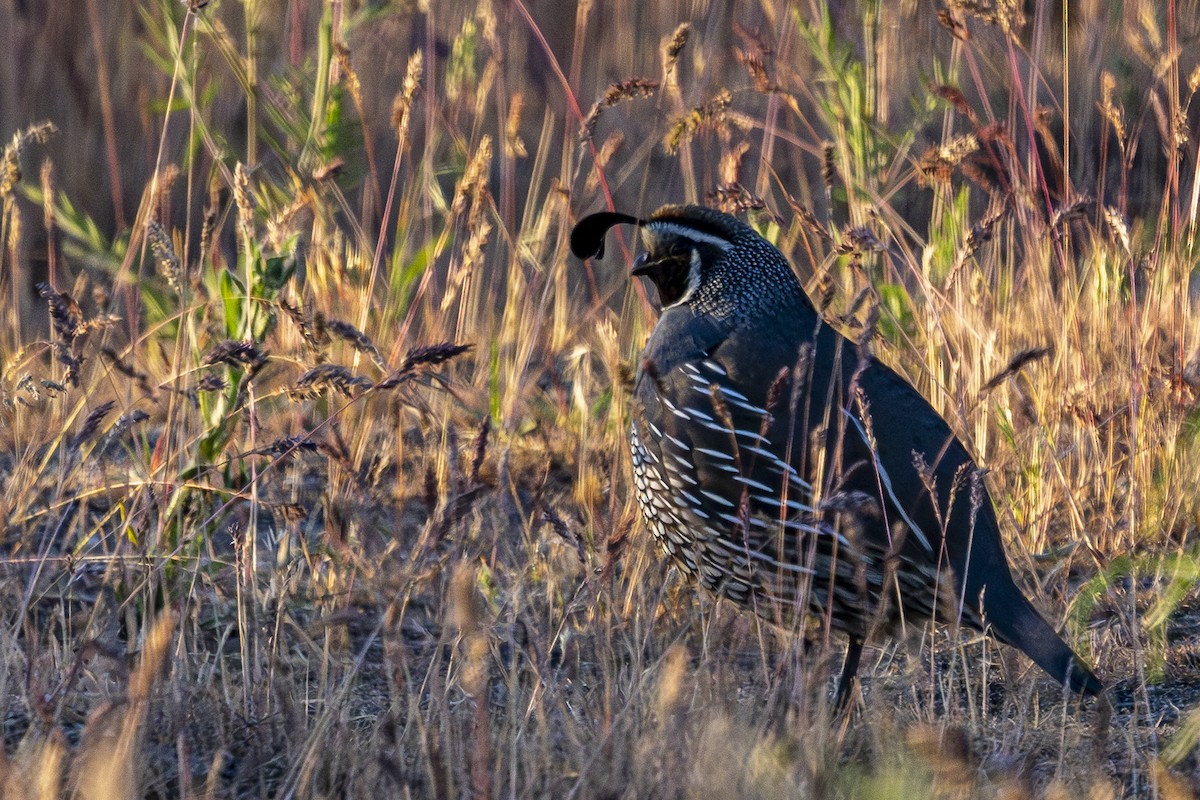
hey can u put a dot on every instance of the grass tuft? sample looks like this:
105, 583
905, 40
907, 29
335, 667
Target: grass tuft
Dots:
313, 472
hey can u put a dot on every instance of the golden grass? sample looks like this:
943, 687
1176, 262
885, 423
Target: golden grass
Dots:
314, 474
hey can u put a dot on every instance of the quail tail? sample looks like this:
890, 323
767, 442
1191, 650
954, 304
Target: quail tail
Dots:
1017, 623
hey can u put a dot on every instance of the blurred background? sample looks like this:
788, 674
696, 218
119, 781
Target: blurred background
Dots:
302, 394
523, 73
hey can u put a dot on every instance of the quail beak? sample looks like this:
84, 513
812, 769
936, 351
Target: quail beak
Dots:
641, 265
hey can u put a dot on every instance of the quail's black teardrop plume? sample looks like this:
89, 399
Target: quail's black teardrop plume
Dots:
790, 473
587, 237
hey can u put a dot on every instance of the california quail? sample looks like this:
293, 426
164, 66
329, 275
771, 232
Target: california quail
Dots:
788, 472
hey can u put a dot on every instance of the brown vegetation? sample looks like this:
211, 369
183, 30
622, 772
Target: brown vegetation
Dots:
312, 466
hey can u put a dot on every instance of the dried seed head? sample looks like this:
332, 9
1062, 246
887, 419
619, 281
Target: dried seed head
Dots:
211, 383
327, 376
982, 231
617, 93
122, 425
987, 166
164, 181
733, 197
514, 147
474, 182
402, 104
288, 446
953, 23
235, 353
629, 89
244, 202
1010, 16
206, 229
1076, 209
1118, 228
863, 239
64, 356
423, 356
937, 164
281, 224
1179, 131
472, 255
359, 340
349, 76
312, 328
673, 45
480, 448
924, 472
164, 255
10, 170
1111, 111
1016, 364
828, 165
54, 388
809, 219
854, 503
10, 160
1004, 14
954, 96
756, 68
65, 315
90, 424
711, 114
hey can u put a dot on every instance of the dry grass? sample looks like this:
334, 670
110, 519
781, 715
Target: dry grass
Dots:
313, 475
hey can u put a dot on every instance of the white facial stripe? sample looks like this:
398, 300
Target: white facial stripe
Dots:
687, 232
657, 232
